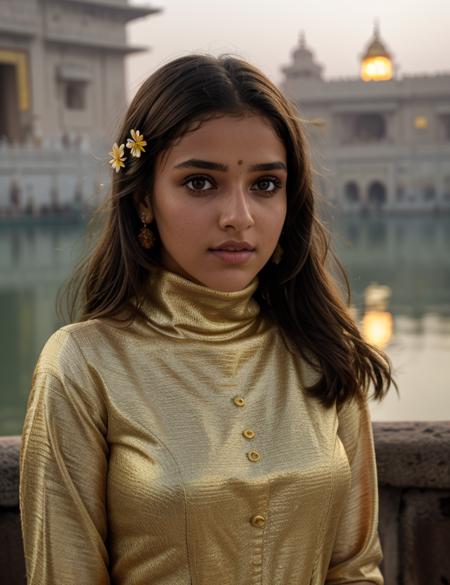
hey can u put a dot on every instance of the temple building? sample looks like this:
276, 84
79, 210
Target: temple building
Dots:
379, 141
62, 93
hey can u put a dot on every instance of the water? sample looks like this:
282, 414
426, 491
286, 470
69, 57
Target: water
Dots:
408, 255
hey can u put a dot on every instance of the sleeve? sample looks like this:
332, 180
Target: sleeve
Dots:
357, 552
63, 467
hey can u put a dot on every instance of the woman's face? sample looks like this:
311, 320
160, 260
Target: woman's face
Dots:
221, 187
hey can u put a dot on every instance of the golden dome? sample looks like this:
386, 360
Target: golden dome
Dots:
376, 64
376, 47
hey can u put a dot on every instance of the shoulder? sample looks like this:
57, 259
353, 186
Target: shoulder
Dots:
62, 350
65, 385
72, 352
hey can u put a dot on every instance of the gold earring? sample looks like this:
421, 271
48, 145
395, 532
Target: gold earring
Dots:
146, 237
277, 254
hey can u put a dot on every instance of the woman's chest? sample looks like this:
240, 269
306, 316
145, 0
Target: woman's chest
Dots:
211, 426
221, 461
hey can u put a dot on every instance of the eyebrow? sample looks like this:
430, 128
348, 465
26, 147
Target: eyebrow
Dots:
213, 166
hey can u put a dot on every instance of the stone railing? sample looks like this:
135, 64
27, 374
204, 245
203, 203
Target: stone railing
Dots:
414, 478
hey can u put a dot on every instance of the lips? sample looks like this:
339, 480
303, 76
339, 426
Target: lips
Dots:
233, 246
232, 256
232, 249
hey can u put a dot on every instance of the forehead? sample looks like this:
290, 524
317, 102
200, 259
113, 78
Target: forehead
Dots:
230, 139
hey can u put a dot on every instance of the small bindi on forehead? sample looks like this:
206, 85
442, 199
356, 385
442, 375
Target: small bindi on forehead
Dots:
240, 162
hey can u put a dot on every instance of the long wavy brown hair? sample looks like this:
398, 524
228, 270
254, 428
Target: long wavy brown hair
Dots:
299, 294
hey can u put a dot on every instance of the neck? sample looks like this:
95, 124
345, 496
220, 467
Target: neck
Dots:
179, 307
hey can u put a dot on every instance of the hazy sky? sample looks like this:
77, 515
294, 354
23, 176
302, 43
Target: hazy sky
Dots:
265, 32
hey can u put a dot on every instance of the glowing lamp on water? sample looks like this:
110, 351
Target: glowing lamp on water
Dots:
377, 327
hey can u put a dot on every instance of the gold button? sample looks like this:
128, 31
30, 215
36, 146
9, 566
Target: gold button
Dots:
239, 401
248, 433
258, 520
253, 455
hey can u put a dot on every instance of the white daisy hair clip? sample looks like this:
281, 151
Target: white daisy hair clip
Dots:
136, 145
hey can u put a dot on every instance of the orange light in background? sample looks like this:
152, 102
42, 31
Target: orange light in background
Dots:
377, 328
377, 323
421, 122
376, 69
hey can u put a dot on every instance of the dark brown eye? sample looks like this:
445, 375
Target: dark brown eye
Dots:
264, 184
197, 183
269, 184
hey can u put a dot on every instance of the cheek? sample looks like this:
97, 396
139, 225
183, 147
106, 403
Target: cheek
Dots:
275, 216
177, 219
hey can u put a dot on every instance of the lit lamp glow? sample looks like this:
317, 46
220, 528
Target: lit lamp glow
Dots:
376, 63
376, 69
421, 122
377, 328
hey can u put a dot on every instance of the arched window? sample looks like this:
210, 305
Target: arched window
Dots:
377, 193
351, 191
75, 95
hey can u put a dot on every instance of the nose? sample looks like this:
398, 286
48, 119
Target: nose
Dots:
236, 210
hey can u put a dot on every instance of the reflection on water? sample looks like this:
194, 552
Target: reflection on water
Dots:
34, 261
376, 321
399, 269
409, 254
410, 318
377, 327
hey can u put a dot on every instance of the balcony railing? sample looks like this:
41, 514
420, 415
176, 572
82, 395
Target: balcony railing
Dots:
414, 478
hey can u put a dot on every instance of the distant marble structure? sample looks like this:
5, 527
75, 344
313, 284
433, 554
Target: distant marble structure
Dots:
62, 93
380, 141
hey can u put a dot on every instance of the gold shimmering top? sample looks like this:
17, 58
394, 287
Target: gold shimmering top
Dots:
137, 466
199, 312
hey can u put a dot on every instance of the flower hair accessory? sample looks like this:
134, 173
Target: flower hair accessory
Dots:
136, 145
118, 158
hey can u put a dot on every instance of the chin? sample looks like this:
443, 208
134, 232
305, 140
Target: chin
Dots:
228, 282
223, 280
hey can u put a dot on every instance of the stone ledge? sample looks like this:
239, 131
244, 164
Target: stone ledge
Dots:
413, 454
409, 455
9, 471
414, 478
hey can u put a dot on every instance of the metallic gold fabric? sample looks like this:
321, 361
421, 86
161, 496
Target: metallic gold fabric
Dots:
182, 451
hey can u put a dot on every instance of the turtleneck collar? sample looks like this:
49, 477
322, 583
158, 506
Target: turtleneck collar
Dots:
178, 307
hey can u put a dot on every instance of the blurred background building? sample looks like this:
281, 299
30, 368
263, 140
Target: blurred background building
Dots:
379, 141
62, 87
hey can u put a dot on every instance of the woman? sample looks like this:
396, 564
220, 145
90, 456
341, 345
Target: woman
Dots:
206, 419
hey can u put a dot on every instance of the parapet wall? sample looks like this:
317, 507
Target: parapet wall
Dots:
413, 460
414, 477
